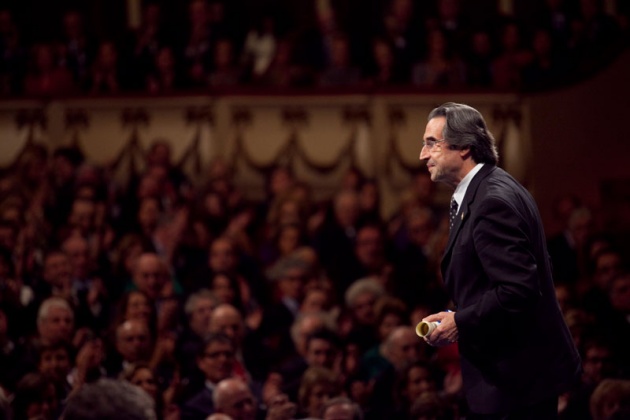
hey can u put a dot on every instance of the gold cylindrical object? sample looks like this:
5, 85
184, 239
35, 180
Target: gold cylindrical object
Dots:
424, 329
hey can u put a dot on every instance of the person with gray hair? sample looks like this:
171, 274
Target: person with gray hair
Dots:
361, 297
198, 309
289, 277
55, 321
108, 399
517, 354
341, 408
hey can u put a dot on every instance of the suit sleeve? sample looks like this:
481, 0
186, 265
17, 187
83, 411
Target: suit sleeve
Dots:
505, 253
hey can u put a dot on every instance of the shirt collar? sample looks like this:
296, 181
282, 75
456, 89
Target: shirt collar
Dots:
460, 191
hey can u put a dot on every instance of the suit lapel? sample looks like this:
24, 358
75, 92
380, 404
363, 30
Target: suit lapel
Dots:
463, 212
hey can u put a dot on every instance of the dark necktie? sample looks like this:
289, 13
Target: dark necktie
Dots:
452, 213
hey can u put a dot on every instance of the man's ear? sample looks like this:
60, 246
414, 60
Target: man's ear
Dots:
465, 153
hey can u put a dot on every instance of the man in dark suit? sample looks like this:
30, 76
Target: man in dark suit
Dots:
517, 354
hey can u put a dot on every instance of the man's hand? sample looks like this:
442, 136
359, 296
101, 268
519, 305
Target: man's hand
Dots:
445, 333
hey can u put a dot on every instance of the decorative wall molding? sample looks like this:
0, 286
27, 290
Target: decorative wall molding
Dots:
320, 137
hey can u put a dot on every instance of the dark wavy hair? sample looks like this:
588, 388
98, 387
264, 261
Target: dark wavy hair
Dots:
465, 128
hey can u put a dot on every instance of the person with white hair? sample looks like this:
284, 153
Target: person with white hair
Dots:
55, 321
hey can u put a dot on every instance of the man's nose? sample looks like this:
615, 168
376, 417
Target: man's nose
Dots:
424, 153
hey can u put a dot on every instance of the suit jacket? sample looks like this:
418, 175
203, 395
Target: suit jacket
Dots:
199, 406
514, 346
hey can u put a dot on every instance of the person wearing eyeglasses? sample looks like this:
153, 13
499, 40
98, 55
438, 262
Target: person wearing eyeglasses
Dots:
516, 352
216, 362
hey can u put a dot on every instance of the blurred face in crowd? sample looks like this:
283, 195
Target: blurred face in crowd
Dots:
160, 154
314, 301
320, 352
55, 364
369, 246
217, 361
389, 322
607, 266
227, 320
138, 307
43, 406
363, 308
403, 347
77, 250
57, 269
149, 214
320, 393
222, 288
57, 326
149, 276
419, 381
280, 182
620, 294
237, 401
291, 284
82, 215
133, 340
201, 315
145, 379
346, 208
222, 256
288, 239
307, 326
597, 364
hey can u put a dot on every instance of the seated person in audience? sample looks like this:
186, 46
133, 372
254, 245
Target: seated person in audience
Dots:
55, 363
289, 277
340, 71
47, 78
198, 310
611, 400
227, 320
35, 397
107, 74
55, 322
215, 361
322, 350
400, 349
133, 344
108, 399
234, 398
225, 72
361, 298
416, 380
440, 68
317, 386
341, 408
164, 76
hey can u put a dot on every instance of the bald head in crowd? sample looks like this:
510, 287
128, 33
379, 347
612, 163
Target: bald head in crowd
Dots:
401, 347
233, 397
226, 319
133, 340
149, 275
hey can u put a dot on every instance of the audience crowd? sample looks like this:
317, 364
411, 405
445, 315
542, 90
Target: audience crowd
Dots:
215, 44
216, 305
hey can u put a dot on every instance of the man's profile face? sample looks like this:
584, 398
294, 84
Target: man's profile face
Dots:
443, 163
